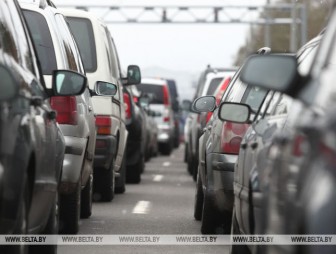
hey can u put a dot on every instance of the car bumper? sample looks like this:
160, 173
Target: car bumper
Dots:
220, 172
106, 146
72, 163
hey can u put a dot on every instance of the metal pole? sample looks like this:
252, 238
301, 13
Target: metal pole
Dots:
293, 41
304, 23
267, 39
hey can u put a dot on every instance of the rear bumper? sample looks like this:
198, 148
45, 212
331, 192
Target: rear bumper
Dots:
106, 146
73, 163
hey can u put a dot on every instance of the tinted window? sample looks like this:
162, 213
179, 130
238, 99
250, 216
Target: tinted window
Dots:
213, 86
155, 90
42, 40
254, 96
83, 33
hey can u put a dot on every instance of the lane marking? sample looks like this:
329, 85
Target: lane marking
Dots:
166, 164
142, 207
158, 178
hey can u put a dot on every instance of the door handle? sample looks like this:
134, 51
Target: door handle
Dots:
254, 145
90, 108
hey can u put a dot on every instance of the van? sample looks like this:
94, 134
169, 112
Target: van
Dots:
158, 91
101, 63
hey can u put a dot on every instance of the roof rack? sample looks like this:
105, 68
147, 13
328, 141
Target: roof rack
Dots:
41, 3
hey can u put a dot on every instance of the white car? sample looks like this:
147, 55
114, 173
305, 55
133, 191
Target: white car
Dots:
101, 63
57, 49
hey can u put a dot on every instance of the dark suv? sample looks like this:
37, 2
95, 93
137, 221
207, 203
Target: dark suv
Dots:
31, 145
300, 177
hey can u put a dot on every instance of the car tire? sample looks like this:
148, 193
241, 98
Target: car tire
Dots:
133, 174
50, 229
190, 165
86, 199
166, 148
70, 211
21, 227
210, 217
199, 197
186, 153
120, 182
237, 249
107, 181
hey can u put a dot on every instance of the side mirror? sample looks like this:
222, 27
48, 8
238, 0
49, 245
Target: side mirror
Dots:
234, 112
133, 75
68, 83
272, 72
204, 104
9, 87
105, 89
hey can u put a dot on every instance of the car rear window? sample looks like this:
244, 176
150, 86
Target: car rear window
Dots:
213, 85
42, 40
83, 33
155, 90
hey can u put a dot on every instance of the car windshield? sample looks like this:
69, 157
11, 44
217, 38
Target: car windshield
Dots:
155, 90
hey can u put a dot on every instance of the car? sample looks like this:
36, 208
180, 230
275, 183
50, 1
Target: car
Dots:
299, 177
101, 63
214, 186
176, 106
57, 49
136, 121
208, 83
276, 110
32, 145
158, 90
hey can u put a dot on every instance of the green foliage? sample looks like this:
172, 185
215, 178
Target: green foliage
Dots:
317, 14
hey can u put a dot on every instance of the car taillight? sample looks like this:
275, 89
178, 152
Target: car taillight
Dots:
166, 119
221, 90
166, 99
104, 125
66, 107
128, 106
232, 135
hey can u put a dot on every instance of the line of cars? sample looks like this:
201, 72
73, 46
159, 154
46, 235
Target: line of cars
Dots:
267, 155
73, 126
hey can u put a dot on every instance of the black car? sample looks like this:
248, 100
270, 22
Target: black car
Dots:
31, 145
301, 153
136, 140
272, 118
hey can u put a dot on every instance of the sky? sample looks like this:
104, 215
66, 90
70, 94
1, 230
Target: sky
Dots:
176, 49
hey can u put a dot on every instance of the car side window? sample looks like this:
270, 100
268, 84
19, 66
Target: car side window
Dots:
42, 40
236, 92
254, 96
67, 41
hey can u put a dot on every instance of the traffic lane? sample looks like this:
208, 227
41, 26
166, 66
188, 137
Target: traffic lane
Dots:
161, 204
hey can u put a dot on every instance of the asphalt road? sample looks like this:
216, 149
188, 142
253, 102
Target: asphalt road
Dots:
162, 204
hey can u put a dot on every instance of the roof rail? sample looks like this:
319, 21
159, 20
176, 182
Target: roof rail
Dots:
41, 3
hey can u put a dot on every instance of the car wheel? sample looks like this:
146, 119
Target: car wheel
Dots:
237, 249
107, 181
86, 198
50, 229
186, 153
199, 196
70, 211
120, 185
166, 148
21, 228
209, 216
133, 174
